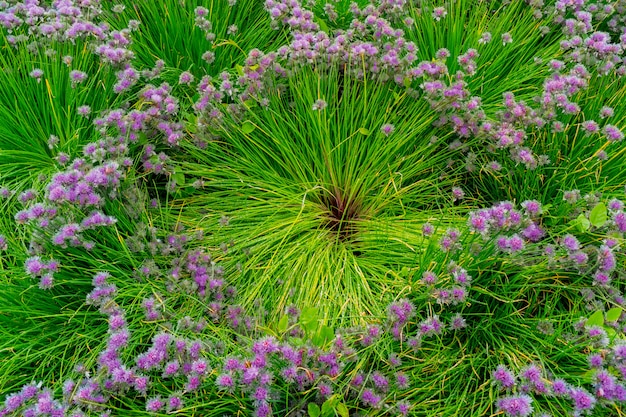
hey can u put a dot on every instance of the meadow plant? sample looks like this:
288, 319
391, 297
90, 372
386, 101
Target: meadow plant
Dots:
290, 208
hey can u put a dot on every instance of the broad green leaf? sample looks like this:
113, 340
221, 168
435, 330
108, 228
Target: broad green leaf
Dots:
610, 332
582, 223
309, 318
546, 207
598, 215
179, 177
239, 69
314, 410
342, 410
596, 319
364, 131
247, 127
283, 323
324, 335
329, 406
322, 24
613, 314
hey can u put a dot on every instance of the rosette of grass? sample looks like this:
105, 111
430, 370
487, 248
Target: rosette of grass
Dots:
311, 190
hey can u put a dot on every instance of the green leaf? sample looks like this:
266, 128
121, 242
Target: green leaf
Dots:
546, 207
239, 70
309, 318
324, 335
179, 177
247, 127
342, 410
598, 215
613, 314
329, 406
596, 319
314, 410
283, 323
323, 25
610, 332
364, 131
582, 223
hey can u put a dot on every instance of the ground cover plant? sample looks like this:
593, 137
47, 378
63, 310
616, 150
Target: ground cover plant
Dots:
311, 208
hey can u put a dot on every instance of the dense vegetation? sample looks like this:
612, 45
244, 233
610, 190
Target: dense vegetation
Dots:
295, 208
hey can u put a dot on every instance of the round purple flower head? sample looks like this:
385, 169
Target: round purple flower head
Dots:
387, 129
516, 405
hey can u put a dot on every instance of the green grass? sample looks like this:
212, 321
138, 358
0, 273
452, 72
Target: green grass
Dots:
308, 208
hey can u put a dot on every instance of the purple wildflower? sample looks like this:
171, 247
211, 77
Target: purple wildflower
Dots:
319, 105
387, 129
185, 78
583, 401
516, 405
606, 111
439, 13
37, 73
369, 398
154, 405
77, 77
503, 377
225, 382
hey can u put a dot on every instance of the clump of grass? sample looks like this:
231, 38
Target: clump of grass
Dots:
369, 209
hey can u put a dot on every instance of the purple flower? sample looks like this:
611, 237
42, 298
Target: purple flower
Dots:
319, 105
225, 382
439, 13
612, 133
532, 373
605, 112
185, 78
403, 408
174, 403
428, 229
260, 394
83, 111
571, 243
516, 406
402, 380
485, 38
595, 360
583, 401
560, 387
387, 129
325, 390
154, 405
457, 322
77, 77
37, 73
263, 410
369, 398
380, 381
457, 193
503, 377
590, 126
